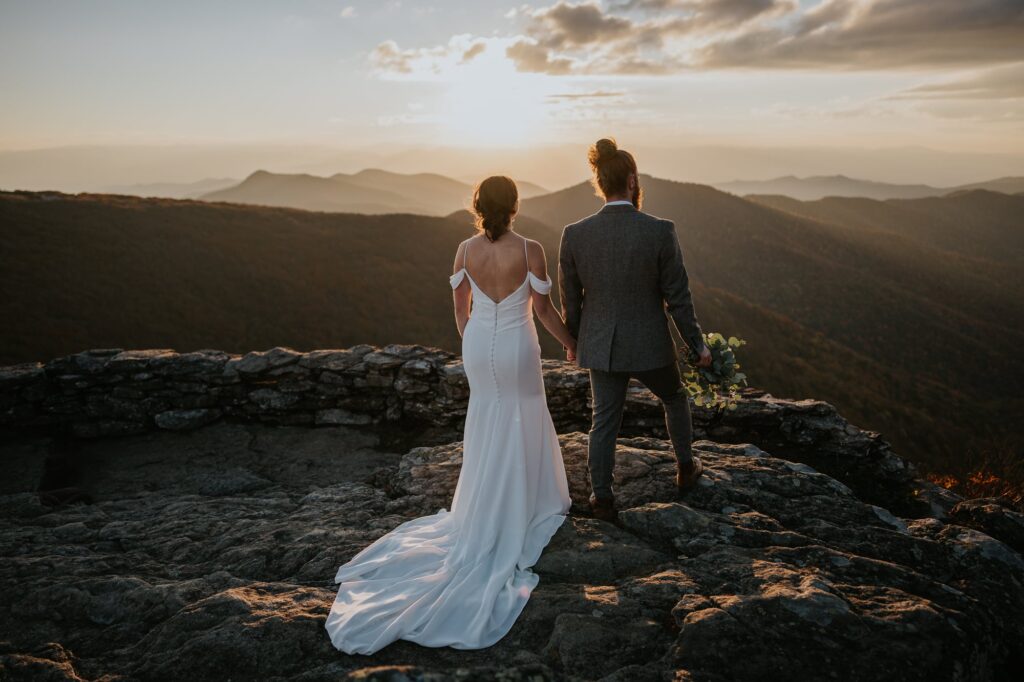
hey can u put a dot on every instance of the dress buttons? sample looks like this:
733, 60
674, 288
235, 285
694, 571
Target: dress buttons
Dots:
494, 371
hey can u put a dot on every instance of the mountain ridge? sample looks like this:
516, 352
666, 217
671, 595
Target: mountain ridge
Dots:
371, 191
173, 190
809, 188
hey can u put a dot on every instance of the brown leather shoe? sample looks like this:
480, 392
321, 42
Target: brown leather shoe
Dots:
603, 508
687, 479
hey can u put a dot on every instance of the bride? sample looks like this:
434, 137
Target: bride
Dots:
460, 578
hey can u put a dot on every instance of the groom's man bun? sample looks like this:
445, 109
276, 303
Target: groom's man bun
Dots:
603, 150
612, 167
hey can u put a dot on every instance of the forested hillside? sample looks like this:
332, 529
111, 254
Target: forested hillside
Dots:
100, 270
917, 340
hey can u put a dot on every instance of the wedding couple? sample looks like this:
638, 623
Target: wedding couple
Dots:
461, 577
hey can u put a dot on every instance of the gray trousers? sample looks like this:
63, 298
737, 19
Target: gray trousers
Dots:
609, 395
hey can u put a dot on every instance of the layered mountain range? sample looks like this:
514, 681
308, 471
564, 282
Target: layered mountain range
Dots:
905, 313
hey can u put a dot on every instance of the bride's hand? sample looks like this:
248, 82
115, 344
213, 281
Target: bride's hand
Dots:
570, 353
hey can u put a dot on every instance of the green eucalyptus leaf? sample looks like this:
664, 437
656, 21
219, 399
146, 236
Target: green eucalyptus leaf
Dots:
714, 386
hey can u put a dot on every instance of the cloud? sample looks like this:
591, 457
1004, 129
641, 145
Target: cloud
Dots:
878, 34
596, 94
348, 12
662, 37
387, 56
607, 107
582, 38
1005, 82
629, 38
529, 56
568, 25
474, 51
994, 95
703, 14
425, 63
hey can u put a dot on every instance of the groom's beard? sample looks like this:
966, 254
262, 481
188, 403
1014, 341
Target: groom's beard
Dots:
638, 197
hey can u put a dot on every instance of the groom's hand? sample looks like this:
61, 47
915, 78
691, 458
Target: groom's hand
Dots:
570, 354
705, 357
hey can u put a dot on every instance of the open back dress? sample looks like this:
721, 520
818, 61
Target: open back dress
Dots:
461, 577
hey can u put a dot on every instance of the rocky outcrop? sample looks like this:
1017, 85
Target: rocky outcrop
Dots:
201, 542
210, 554
421, 392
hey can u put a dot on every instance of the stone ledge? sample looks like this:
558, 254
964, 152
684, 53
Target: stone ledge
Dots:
115, 392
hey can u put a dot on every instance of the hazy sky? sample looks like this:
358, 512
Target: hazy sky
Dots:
946, 74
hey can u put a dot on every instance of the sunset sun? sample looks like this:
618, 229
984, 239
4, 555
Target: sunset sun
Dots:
493, 105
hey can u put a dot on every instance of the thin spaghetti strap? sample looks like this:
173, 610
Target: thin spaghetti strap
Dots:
465, 253
526, 253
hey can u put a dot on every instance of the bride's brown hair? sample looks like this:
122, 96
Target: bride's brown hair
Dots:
495, 201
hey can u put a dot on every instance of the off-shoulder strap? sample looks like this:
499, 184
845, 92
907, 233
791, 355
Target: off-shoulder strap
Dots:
541, 286
456, 279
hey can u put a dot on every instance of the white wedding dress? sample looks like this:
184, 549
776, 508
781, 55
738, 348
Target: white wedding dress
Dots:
460, 578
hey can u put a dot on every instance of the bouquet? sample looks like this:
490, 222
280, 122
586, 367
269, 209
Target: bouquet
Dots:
715, 385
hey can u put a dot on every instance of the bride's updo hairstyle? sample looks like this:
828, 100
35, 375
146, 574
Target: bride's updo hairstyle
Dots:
612, 167
495, 202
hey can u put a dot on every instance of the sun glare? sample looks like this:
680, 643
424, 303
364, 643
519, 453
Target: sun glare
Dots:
488, 103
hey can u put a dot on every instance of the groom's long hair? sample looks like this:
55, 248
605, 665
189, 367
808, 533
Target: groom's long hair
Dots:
612, 167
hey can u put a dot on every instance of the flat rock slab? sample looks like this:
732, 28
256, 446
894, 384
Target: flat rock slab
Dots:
220, 459
210, 554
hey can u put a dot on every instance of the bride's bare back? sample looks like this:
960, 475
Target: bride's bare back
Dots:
498, 268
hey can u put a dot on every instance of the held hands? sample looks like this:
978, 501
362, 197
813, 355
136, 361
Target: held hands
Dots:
705, 357
570, 352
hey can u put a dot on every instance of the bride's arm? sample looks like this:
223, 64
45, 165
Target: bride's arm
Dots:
462, 295
546, 311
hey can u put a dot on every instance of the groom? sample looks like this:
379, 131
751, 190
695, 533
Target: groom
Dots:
619, 270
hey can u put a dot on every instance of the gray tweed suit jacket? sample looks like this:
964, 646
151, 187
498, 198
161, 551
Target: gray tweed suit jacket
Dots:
619, 271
